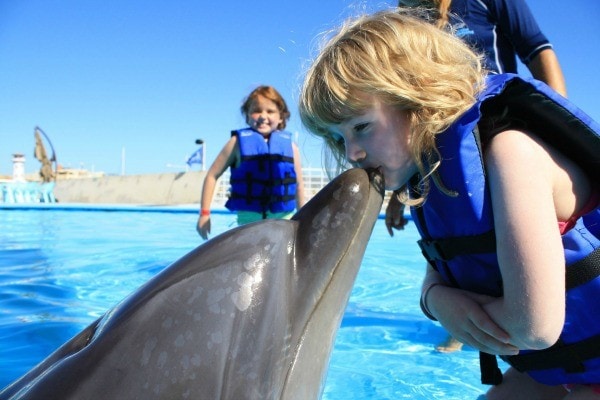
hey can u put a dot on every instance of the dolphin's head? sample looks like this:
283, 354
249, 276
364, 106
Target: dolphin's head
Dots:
250, 314
334, 228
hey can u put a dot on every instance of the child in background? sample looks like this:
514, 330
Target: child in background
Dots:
502, 179
266, 174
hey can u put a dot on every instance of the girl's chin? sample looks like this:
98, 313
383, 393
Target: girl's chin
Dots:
392, 184
263, 131
396, 178
389, 185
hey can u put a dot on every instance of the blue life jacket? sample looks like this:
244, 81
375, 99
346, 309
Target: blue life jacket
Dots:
265, 180
458, 232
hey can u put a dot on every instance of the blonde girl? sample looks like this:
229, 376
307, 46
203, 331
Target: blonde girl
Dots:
503, 182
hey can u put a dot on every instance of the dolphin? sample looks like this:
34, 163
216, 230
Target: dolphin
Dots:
249, 314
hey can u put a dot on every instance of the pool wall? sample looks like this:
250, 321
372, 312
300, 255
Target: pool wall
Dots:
164, 188
134, 192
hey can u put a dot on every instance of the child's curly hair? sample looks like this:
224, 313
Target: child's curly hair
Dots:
405, 61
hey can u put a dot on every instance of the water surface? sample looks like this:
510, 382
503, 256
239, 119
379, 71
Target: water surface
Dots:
60, 270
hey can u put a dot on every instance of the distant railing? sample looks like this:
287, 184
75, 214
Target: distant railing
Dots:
222, 190
314, 180
26, 192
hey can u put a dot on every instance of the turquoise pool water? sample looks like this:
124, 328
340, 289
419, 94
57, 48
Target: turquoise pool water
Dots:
62, 269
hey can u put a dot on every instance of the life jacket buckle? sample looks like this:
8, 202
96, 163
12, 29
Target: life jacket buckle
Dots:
432, 250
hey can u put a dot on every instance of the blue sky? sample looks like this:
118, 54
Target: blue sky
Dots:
148, 77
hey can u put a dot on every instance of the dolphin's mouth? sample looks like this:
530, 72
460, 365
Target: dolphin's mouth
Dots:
376, 177
374, 171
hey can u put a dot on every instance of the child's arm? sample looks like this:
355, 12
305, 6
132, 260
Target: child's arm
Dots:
532, 187
462, 313
225, 159
529, 187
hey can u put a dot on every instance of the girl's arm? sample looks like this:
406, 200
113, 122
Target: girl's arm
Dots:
462, 313
226, 158
530, 185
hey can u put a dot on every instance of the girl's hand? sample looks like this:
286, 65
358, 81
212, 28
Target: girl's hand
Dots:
203, 226
394, 214
463, 315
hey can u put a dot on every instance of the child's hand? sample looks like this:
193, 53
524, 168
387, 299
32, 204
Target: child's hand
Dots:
462, 314
394, 214
203, 226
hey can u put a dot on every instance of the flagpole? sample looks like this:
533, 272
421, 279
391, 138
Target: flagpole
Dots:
201, 142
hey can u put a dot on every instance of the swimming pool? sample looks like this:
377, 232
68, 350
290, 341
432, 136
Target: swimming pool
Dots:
62, 269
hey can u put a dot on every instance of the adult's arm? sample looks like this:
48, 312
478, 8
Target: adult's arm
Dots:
545, 67
300, 199
394, 214
517, 22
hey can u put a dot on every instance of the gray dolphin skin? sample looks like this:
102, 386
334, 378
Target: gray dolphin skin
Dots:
250, 314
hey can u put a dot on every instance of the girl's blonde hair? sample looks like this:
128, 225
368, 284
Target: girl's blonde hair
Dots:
403, 60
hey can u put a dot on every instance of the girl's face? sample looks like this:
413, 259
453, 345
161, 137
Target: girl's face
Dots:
264, 116
379, 138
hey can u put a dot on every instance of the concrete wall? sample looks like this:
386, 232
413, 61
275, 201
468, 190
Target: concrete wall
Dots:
159, 189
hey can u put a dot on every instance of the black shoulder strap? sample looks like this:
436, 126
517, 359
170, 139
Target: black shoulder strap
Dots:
563, 126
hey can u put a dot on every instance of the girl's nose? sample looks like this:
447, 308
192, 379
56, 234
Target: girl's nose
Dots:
355, 154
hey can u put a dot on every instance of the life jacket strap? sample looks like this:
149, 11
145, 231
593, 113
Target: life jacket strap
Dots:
448, 248
584, 270
570, 357
490, 373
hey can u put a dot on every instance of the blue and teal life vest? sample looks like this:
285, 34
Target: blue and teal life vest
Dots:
265, 180
458, 232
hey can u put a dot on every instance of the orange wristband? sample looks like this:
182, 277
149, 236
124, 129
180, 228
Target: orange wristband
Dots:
204, 213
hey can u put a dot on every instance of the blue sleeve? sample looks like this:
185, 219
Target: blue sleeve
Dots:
518, 24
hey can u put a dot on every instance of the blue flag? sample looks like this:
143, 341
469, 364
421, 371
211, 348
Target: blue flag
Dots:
196, 157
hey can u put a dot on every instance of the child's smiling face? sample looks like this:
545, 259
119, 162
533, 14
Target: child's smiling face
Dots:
264, 116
